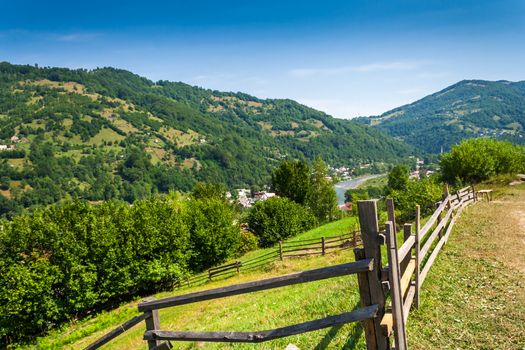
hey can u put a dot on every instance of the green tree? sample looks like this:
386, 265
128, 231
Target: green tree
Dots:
279, 218
205, 190
322, 198
292, 180
215, 235
398, 177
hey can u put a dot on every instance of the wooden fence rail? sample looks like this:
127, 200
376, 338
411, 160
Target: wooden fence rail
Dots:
409, 265
292, 249
387, 292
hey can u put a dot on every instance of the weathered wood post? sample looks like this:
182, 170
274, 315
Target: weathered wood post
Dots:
354, 238
396, 293
152, 323
407, 232
392, 216
281, 250
444, 197
474, 193
418, 261
322, 245
370, 288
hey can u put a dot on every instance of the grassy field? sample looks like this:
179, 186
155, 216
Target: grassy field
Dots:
380, 181
473, 297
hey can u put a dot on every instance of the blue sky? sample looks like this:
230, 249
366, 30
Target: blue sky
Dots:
347, 58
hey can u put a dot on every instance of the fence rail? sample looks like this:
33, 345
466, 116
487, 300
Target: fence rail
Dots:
401, 279
293, 249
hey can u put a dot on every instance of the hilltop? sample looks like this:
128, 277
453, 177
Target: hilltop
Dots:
470, 108
108, 133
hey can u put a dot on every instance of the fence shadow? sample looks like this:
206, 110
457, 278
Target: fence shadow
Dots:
353, 336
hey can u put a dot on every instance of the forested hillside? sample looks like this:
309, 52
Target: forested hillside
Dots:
108, 133
470, 108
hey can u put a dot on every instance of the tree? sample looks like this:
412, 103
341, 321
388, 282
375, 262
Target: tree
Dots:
214, 235
322, 199
279, 218
292, 180
398, 177
204, 190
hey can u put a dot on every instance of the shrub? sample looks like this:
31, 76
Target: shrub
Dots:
214, 237
476, 160
249, 242
279, 218
66, 260
424, 192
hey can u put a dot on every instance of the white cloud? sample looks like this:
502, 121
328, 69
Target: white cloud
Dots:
365, 68
75, 37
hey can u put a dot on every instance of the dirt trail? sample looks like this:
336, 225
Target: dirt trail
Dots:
509, 209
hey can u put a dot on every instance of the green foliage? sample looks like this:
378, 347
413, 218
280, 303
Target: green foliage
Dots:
279, 218
249, 242
368, 192
291, 179
479, 159
322, 199
214, 236
424, 192
398, 177
110, 134
69, 259
205, 190
358, 196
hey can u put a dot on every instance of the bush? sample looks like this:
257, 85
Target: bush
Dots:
249, 242
214, 237
67, 260
476, 160
279, 218
424, 192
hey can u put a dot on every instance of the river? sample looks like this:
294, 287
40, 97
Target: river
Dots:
341, 187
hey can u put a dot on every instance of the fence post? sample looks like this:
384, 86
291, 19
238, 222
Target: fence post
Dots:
474, 193
354, 238
281, 250
392, 216
444, 197
418, 262
322, 245
396, 293
152, 323
407, 232
370, 288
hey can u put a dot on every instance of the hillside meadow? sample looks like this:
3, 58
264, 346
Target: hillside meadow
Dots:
473, 297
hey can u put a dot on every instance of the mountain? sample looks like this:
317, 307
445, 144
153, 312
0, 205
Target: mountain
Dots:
470, 108
108, 133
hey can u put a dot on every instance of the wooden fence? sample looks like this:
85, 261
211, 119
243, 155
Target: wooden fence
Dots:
293, 249
387, 292
396, 286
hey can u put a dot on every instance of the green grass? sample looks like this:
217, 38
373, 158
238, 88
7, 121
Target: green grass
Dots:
474, 296
380, 181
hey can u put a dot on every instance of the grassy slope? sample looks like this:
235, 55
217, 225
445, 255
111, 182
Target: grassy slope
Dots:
474, 296
256, 311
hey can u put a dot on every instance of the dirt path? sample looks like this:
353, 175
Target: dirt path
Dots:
474, 297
